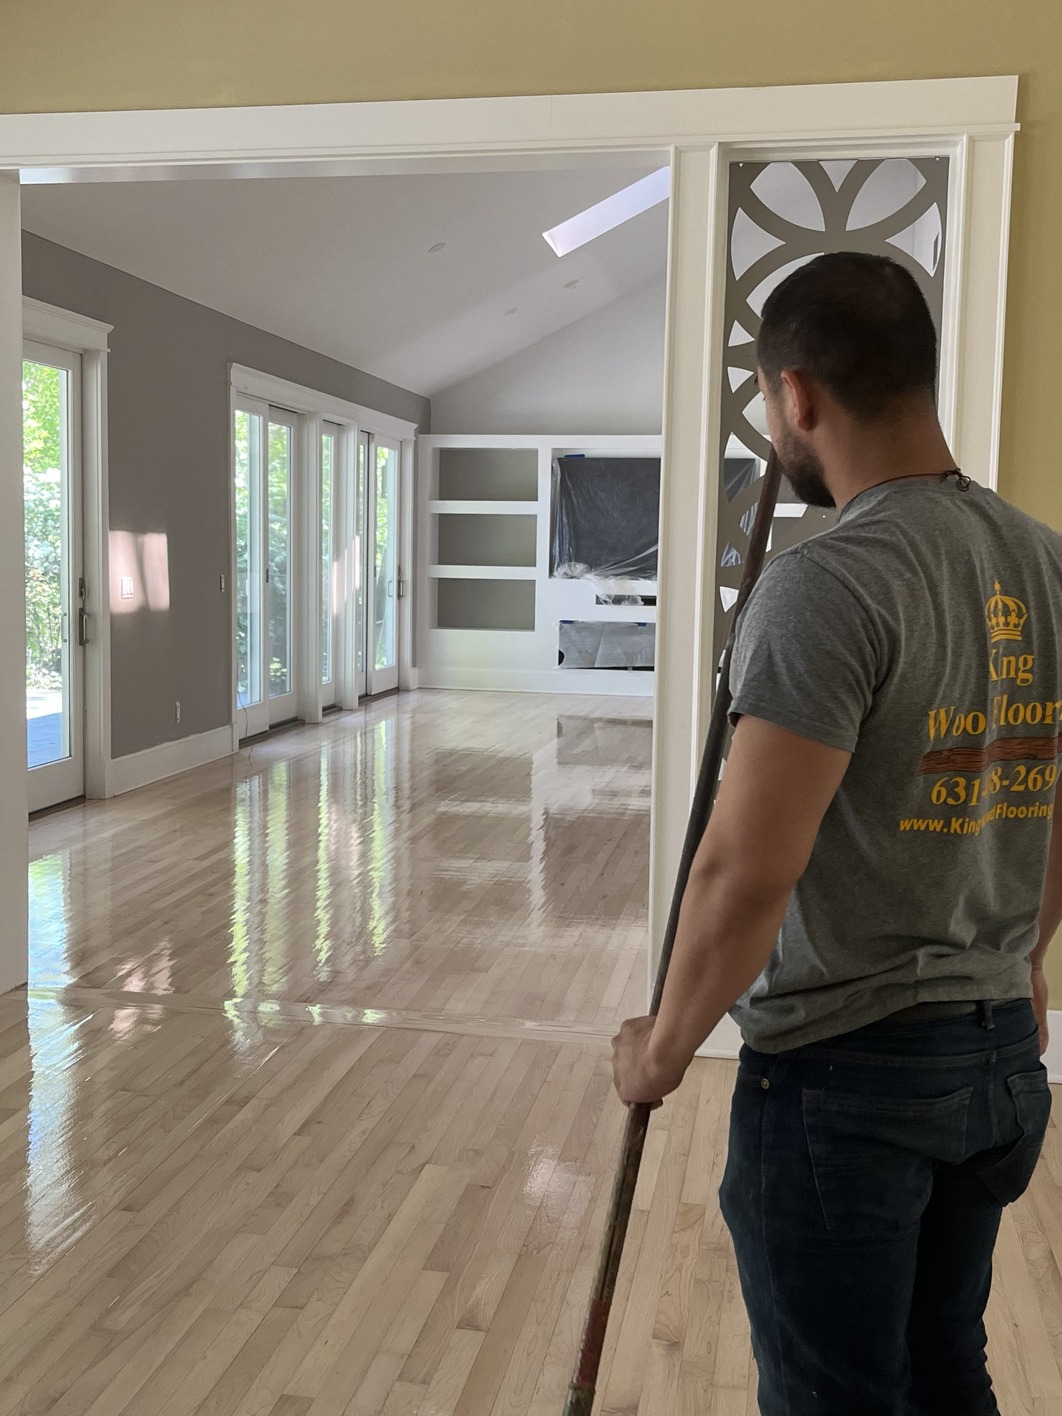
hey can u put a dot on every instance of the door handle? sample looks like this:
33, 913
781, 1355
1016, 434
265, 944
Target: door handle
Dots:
82, 614
401, 589
391, 589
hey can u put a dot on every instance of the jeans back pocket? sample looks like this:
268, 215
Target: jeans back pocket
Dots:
1005, 1171
873, 1157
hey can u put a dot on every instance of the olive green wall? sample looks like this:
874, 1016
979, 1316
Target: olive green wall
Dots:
63, 54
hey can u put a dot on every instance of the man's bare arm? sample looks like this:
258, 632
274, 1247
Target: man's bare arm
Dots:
775, 791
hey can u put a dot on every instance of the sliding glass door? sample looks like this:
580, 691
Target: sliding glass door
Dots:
266, 566
316, 558
56, 622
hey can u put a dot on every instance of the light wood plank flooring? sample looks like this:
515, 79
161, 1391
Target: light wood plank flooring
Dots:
308, 1108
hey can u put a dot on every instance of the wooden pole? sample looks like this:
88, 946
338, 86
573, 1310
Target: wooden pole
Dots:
583, 1387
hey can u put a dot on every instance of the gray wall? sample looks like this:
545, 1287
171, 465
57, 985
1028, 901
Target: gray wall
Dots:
602, 374
169, 473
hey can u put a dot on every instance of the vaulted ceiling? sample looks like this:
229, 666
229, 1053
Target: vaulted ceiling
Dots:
420, 279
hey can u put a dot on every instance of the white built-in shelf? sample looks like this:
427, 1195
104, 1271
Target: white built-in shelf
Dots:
482, 572
483, 508
488, 612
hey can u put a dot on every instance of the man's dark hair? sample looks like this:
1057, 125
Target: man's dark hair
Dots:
858, 324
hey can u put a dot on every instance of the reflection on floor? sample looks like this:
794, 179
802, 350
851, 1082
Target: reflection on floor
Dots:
434, 856
309, 1110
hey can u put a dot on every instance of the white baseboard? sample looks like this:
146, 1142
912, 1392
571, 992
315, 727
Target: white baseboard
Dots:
726, 1040
140, 769
723, 1042
610, 682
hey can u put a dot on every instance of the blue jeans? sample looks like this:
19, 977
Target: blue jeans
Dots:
864, 1188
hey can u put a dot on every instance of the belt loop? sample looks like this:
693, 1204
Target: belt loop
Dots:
987, 1020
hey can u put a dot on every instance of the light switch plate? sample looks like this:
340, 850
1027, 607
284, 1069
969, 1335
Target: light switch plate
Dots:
127, 587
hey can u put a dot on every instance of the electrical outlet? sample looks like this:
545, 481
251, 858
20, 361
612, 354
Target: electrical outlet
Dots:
178, 710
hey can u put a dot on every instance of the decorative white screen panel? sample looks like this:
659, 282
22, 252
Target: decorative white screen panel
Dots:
781, 215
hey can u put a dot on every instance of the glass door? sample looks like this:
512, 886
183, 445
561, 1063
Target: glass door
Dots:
280, 567
247, 497
361, 560
265, 647
330, 567
56, 621
383, 580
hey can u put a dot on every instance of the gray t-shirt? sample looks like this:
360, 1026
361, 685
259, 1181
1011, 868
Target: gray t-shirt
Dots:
923, 634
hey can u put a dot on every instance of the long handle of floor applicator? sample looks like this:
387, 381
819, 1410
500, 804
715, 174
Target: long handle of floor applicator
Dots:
584, 1383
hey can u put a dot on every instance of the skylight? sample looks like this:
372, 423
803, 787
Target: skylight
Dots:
612, 212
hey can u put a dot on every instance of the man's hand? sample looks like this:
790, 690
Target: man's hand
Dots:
1039, 1002
637, 1076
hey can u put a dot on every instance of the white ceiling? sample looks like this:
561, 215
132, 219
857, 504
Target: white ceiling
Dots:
342, 264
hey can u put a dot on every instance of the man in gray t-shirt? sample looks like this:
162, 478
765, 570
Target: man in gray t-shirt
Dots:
880, 879
923, 635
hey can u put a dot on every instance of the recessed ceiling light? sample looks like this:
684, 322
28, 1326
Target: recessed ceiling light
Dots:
439, 245
612, 212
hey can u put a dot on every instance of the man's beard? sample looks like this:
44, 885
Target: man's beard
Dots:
802, 468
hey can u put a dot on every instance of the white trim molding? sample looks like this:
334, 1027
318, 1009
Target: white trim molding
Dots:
252, 383
61, 146
617, 683
48, 324
155, 764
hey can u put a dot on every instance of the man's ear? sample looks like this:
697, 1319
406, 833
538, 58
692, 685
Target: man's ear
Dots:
798, 399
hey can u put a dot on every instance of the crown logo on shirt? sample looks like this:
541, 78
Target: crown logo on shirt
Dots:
1005, 616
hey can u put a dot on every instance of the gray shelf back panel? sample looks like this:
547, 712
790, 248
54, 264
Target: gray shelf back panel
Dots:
468, 539
486, 604
488, 474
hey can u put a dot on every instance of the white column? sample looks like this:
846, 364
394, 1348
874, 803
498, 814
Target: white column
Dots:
687, 520
14, 957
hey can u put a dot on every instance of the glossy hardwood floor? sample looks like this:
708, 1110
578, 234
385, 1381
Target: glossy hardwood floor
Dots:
308, 1109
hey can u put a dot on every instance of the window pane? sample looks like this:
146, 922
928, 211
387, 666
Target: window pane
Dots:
279, 599
45, 464
328, 456
359, 549
247, 433
386, 556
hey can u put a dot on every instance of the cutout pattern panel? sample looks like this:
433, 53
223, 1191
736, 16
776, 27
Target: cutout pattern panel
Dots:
781, 215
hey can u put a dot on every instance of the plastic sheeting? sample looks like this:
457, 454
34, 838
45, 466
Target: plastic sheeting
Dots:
605, 518
606, 644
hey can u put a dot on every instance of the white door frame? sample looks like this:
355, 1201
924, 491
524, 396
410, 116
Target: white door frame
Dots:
974, 118
78, 334
64, 779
